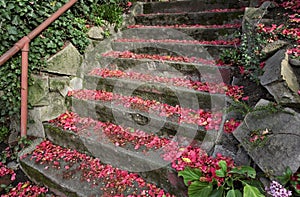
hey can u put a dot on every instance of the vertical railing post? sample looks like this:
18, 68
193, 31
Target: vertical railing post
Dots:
24, 89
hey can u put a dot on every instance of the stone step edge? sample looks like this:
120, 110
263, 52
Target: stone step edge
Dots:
63, 181
111, 55
214, 43
139, 120
197, 26
200, 12
168, 92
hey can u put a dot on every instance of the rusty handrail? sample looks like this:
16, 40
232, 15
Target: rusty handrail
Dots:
23, 44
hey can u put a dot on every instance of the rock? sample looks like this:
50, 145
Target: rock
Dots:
59, 84
35, 124
280, 147
76, 83
65, 62
271, 48
294, 62
221, 149
96, 33
37, 92
54, 109
280, 80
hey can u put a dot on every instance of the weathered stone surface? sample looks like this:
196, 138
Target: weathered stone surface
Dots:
76, 83
253, 15
59, 84
65, 62
38, 91
294, 62
273, 47
280, 80
54, 109
281, 147
35, 125
96, 33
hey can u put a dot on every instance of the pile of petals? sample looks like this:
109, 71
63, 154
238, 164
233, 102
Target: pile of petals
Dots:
26, 190
231, 125
294, 52
203, 42
195, 157
111, 181
209, 120
236, 92
238, 25
128, 54
178, 155
205, 11
292, 4
276, 31
117, 135
7, 171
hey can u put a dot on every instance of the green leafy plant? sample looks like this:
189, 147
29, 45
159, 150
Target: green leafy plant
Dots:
22, 16
290, 181
237, 182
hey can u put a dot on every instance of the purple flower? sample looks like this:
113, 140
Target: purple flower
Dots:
277, 190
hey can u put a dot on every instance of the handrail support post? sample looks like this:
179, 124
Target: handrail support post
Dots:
24, 88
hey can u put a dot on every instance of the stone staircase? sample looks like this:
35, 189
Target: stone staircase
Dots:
150, 94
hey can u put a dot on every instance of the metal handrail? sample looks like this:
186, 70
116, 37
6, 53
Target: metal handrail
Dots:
23, 45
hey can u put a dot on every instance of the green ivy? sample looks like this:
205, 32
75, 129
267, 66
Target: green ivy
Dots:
22, 16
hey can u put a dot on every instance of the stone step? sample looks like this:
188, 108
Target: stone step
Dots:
147, 115
206, 70
67, 172
172, 47
192, 6
184, 32
163, 93
219, 17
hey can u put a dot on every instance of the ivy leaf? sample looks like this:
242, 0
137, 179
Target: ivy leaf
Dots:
252, 191
198, 188
244, 170
218, 192
190, 174
235, 193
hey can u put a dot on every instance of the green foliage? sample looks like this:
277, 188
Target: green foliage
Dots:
3, 133
238, 182
22, 16
291, 181
12, 152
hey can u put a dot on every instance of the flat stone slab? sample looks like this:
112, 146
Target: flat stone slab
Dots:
281, 147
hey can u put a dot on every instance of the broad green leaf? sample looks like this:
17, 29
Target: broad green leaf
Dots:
255, 183
190, 174
198, 188
217, 192
223, 165
284, 179
220, 173
252, 191
244, 170
235, 193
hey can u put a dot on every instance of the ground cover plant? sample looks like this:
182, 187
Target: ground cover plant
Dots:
21, 17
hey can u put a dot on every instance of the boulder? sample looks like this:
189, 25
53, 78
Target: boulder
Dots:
54, 109
65, 62
271, 48
96, 33
38, 91
35, 126
271, 139
59, 84
280, 80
